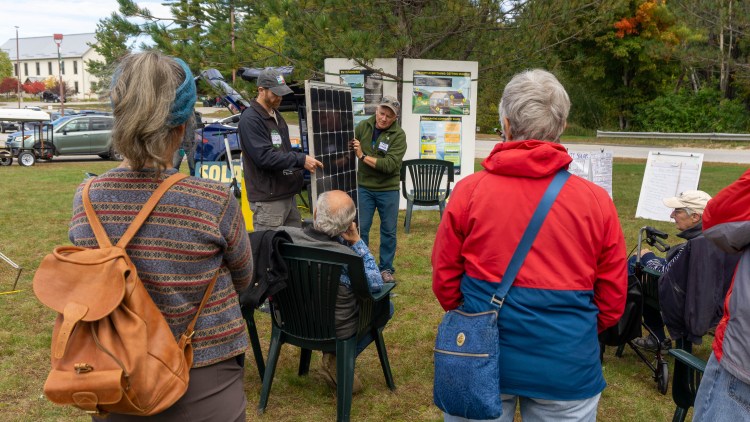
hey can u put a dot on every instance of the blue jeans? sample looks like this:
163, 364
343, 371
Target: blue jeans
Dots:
721, 396
538, 410
386, 202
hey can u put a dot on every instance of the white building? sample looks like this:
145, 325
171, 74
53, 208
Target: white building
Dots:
38, 60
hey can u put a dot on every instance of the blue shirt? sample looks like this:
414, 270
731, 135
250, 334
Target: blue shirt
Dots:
374, 279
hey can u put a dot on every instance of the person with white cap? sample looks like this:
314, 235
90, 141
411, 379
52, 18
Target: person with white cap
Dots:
273, 171
695, 278
380, 144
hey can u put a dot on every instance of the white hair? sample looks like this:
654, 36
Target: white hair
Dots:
536, 106
333, 219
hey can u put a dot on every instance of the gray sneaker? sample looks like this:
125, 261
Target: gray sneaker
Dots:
387, 276
651, 343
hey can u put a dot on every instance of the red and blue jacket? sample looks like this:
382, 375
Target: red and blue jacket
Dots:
571, 286
726, 221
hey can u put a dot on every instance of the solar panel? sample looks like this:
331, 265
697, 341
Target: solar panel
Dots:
330, 127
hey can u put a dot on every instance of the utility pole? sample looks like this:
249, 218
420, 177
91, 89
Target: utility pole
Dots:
231, 35
58, 40
18, 71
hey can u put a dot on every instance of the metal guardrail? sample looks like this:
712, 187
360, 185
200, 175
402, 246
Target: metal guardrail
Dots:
665, 135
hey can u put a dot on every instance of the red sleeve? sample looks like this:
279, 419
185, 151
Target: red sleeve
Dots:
731, 204
726, 219
447, 262
611, 285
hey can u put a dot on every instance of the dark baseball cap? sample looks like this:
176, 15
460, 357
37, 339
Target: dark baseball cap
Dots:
272, 79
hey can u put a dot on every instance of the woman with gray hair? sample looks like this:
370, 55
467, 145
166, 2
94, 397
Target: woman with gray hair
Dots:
534, 106
572, 283
195, 232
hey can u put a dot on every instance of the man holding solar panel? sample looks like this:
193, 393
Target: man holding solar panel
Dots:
273, 171
380, 145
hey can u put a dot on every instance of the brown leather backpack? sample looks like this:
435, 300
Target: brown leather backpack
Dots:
112, 349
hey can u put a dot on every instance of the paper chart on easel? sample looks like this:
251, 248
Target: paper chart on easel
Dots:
666, 175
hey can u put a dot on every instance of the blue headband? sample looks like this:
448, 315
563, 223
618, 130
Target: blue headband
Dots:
184, 100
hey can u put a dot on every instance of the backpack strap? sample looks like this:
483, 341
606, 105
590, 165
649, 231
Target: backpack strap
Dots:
101, 236
96, 225
187, 336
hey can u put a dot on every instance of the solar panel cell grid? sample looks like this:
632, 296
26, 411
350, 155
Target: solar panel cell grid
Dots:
330, 128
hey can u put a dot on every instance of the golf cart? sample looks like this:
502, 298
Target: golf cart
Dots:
25, 156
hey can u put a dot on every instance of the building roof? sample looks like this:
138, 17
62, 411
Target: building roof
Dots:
73, 45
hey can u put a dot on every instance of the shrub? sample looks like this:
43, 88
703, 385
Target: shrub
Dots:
692, 112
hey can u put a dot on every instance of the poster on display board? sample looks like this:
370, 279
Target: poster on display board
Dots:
440, 138
595, 167
367, 91
666, 175
441, 92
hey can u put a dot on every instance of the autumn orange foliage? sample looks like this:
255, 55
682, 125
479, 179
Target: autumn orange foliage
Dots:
643, 20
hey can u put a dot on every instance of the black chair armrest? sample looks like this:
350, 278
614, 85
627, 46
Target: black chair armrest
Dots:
387, 287
689, 359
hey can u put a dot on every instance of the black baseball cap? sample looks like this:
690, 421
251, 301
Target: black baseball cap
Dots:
273, 80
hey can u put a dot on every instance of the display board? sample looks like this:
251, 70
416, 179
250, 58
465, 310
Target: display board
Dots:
441, 122
595, 167
330, 127
666, 175
439, 114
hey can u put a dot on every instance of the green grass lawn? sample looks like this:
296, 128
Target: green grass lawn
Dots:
34, 219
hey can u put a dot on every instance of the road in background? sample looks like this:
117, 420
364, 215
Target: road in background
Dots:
485, 144
739, 156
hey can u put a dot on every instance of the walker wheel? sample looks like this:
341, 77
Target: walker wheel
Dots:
662, 377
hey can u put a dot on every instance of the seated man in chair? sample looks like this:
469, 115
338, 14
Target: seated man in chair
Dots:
334, 229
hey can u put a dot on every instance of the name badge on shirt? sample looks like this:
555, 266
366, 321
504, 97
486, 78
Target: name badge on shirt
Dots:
276, 139
383, 147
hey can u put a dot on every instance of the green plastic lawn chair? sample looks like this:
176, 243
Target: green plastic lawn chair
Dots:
431, 184
303, 315
688, 371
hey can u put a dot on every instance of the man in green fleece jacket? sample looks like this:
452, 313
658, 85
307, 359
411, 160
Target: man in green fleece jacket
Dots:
380, 144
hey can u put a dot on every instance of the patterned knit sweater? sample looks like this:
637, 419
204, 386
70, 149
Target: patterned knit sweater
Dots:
195, 229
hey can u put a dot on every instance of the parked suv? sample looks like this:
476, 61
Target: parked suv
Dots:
69, 135
51, 97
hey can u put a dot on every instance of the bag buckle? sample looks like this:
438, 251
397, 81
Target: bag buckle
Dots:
498, 302
82, 368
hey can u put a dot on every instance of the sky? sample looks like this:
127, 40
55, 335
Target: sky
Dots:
37, 18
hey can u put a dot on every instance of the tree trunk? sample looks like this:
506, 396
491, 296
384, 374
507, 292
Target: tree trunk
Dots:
725, 48
678, 85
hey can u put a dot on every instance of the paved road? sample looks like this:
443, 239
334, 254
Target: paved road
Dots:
740, 156
484, 146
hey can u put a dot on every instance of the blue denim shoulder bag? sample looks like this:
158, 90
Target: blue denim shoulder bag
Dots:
467, 347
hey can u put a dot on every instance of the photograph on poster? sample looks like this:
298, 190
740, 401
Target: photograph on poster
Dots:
437, 92
367, 91
440, 138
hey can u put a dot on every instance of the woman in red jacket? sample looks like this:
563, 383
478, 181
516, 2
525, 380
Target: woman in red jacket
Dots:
572, 284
